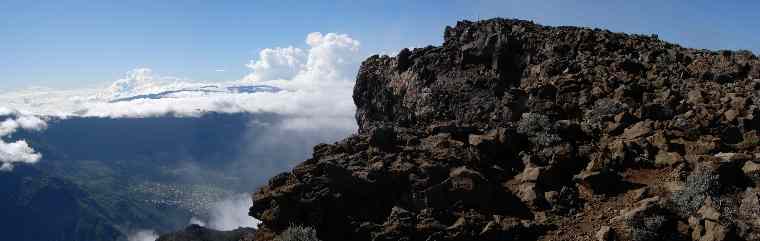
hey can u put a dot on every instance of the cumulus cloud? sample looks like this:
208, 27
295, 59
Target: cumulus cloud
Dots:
277, 63
143, 235
14, 152
137, 79
31, 123
229, 214
17, 151
330, 62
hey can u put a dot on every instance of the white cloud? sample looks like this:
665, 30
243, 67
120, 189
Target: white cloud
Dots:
277, 63
18, 151
143, 235
330, 62
137, 79
14, 152
229, 214
33, 123
332, 57
7, 127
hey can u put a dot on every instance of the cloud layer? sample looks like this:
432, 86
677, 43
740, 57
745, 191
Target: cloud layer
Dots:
316, 85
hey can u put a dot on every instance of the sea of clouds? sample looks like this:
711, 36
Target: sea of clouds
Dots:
316, 86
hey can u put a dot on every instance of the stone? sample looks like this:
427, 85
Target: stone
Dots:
382, 137
705, 145
494, 143
198, 233
707, 225
640, 129
749, 206
734, 157
751, 169
640, 209
530, 194
600, 182
464, 186
714, 231
667, 158
641, 193
530, 174
605, 233
694, 97
709, 212
730, 115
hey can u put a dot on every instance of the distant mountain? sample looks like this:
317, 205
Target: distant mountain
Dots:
200, 90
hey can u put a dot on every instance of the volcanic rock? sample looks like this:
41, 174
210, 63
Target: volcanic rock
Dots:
498, 134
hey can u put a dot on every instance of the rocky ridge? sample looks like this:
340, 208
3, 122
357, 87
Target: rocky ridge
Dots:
517, 131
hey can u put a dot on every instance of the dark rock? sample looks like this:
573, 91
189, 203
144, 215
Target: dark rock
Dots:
382, 137
477, 138
602, 181
198, 233
605, 233
464, 187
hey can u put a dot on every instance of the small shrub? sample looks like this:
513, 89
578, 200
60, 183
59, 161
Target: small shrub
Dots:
699, 186
538, 128
298, 233
749, 208
568, 201
606, 108
750, 140
646, 228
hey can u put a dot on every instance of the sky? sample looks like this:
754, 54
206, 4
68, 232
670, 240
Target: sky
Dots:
82, 43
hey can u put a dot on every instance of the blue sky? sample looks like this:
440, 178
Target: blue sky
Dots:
76, 43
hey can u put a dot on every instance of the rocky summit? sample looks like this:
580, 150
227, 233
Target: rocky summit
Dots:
516, 131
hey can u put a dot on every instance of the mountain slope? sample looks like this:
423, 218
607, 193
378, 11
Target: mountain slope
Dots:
517, 131
158, 173
37, 207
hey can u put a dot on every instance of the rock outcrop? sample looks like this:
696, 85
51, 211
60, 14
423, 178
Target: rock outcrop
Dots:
198, 233
517, 131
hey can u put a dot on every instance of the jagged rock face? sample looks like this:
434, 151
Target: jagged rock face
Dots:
516, 131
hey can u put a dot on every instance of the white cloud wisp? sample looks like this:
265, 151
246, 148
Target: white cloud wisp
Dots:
229, 214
